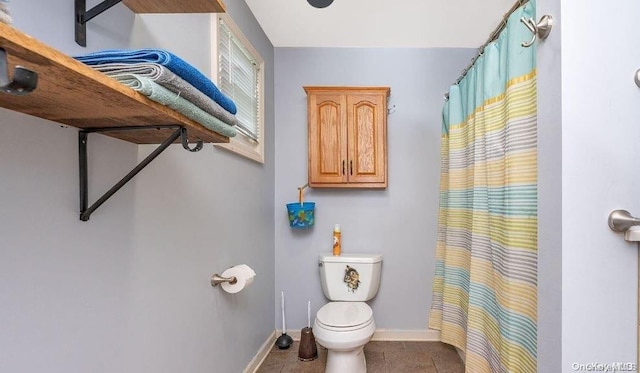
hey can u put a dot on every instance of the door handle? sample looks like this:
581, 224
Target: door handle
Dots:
343, 172
350, 167
621, 220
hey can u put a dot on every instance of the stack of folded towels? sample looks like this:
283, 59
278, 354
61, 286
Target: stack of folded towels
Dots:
5, 16
171, 81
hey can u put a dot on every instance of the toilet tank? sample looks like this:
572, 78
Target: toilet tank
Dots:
350, 277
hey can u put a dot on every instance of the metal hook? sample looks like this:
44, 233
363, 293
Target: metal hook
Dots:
540, 30
185, 141
303, 187
391, 109
533, 28
24, 80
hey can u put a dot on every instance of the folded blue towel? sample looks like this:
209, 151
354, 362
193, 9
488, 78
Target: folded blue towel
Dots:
169, 60
123, 72
158, 93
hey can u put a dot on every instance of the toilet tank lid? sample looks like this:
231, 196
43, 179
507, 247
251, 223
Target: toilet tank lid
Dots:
350, 258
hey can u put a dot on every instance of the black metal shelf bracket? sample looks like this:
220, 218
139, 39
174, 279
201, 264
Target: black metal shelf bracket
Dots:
82, 16
24, 80
85, 212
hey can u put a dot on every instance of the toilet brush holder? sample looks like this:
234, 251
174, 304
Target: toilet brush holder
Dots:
308, 350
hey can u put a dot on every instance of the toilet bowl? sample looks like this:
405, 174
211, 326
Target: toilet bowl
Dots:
345, 324
343, 328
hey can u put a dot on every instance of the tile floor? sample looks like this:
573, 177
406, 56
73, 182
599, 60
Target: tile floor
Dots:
382, 357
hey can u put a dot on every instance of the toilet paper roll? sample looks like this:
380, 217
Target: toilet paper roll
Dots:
244, 277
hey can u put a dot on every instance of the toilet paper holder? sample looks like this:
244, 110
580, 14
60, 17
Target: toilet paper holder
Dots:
234, 279
216, 279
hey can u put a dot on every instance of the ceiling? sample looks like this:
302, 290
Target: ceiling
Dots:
378, 23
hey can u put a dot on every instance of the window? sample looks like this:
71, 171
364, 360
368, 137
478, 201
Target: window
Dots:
238, 70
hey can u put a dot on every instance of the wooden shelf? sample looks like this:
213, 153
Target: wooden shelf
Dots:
72, 93
175, 6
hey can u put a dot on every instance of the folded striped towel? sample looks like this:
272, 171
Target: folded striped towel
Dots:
159, 94
167, 59
169, 80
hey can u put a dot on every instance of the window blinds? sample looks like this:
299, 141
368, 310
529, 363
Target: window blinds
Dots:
238, 78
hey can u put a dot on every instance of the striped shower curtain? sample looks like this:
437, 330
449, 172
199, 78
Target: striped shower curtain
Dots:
485, 284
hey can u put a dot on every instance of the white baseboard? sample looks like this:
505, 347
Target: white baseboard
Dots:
427, 335
391, 335
294, 334
262, 353
462, 355
406, 335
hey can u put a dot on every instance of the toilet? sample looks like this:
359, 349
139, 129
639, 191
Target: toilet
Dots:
345, 324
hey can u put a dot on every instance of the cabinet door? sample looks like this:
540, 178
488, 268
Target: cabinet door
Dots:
327, 138
367, 139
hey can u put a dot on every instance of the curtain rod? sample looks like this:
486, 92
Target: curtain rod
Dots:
493, 36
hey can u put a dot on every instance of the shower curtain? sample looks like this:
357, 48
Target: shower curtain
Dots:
485, 284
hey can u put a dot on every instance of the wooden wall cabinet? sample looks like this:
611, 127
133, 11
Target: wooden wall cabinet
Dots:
347, 130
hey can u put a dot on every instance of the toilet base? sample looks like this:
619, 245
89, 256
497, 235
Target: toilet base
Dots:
345, 344
346, 361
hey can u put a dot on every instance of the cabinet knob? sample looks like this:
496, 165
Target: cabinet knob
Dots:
350, 167
343, 172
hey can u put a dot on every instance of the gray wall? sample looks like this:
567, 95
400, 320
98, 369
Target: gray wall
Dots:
65, 284
399, 222
550, 193
128, 291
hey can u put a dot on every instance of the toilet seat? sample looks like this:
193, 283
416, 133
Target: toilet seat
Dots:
344, 316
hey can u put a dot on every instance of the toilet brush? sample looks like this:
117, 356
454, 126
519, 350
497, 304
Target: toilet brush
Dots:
308, 350
283, 341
